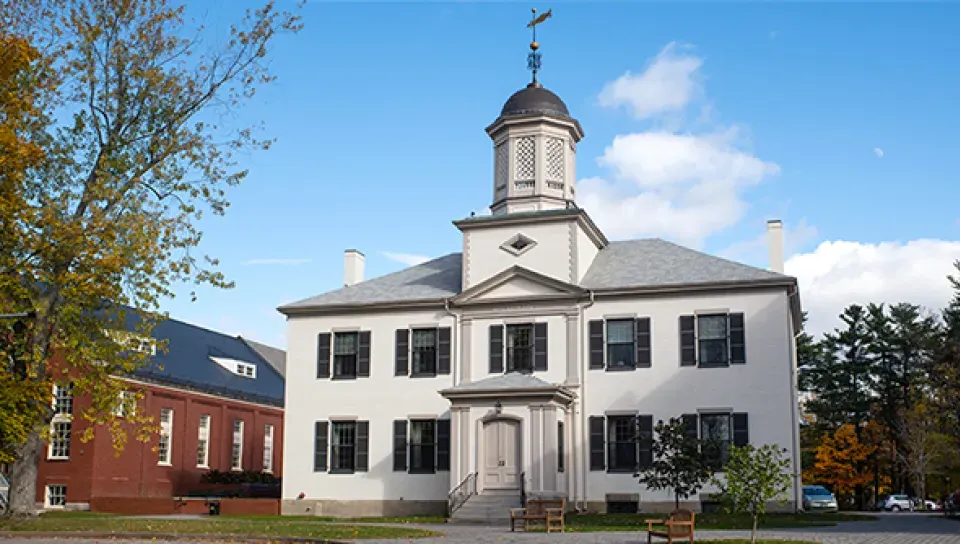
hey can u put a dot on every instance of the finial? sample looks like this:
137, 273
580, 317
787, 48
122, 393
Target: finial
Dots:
533, 58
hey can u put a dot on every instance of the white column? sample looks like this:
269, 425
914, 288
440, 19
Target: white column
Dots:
535, 434
550, 447
456, 471
466, 350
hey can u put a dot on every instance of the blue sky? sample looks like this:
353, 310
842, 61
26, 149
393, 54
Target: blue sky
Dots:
702, 121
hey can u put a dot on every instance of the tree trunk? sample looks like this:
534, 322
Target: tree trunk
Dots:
753, 534
23, 478
676, 501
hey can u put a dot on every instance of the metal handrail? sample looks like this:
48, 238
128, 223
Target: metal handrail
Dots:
460, 494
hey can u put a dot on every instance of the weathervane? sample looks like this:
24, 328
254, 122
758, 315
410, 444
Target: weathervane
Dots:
533, 59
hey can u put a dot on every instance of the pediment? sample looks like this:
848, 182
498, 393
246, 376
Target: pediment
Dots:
518, 283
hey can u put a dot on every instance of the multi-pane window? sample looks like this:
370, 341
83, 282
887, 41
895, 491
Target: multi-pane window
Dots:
126, 404
713, 340
343, 443
268, 448
621, 351
236, 458
716, 437
423, 439
203, 442
424, 351
62, 424
63, 400
56, 495
622, 446
345, 355
60, 439
165, 443
520, 348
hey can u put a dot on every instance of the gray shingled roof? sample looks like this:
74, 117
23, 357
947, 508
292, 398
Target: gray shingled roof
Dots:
632, 263
436, 279
513, 380
275, 356
652, 261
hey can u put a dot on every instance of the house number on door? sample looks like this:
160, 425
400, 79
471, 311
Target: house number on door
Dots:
501, 463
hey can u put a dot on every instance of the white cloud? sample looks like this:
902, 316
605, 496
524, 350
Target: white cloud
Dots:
405, 258
674, 184
839, 273
274, 261
680, 186
668, 84
878, 151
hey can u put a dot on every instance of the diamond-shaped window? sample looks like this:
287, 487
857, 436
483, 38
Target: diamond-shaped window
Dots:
518, 244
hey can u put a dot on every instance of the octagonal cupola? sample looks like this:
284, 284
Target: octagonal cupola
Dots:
534, 147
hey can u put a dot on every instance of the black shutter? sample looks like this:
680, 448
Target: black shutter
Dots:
402, 352
738, 351
400, 445
323, 355
540, 346
645, 440
597, 443
320, 446
688, 341
642, 327
443, 444
443, 350
561, 448
363, 446
691, 424
741, 430
596, 344
496, 349
363, 355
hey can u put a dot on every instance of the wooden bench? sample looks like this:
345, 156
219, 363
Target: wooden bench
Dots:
546, 511
678, 527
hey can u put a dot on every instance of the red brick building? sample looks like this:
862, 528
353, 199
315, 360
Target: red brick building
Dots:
219, 403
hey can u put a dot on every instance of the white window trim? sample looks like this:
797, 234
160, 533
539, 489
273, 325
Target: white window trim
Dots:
268, 446
238, 465
169, 431
46, 497
204, 434
121, 409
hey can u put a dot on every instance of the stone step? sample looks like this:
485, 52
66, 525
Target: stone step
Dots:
486, 510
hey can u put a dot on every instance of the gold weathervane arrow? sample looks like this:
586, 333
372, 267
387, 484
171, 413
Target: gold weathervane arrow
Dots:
543, 17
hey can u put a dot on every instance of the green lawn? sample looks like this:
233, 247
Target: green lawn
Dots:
588, 523
264, 527
428, 520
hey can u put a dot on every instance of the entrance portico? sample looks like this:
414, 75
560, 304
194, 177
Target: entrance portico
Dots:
507, 431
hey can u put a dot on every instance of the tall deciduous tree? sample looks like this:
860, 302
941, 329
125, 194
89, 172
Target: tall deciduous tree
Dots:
135, 155
752, 478
677, 464
841, 462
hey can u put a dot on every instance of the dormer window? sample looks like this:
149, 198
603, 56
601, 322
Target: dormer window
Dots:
240, 368
247, 370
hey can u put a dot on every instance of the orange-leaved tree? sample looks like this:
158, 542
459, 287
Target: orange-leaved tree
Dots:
842, 462
133, 125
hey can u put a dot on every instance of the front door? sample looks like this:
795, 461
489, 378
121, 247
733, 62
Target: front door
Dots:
501, 469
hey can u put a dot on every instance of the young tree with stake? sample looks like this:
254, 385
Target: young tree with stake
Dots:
753, 477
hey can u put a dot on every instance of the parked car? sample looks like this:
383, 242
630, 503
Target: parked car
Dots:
931, 505
817, 498
897, 503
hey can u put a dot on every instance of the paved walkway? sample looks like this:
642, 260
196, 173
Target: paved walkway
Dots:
888, 529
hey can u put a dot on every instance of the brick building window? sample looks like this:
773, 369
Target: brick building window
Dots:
203, 442
268, 448
62, 424
56, 496
165, 444
236, 460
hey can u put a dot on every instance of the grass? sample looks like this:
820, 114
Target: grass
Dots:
426, 520
267, 527
589, 523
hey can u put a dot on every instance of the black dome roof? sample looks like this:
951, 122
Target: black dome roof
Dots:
534, 99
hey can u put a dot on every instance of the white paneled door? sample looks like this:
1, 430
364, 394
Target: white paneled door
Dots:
501, 458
